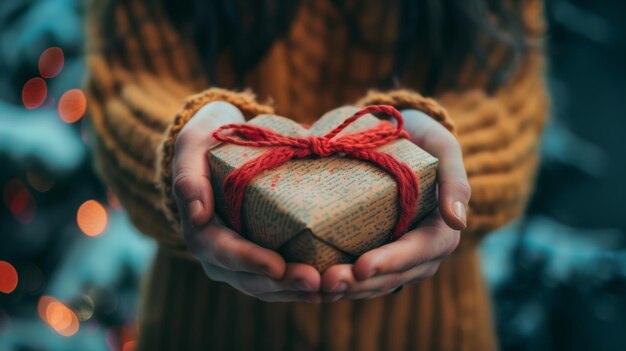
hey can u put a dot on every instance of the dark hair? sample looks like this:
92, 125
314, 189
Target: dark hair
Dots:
442, 33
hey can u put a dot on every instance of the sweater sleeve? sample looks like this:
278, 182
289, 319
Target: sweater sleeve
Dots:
499, 135
144, 83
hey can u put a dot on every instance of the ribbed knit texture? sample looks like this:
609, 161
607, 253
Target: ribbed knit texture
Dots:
146, 85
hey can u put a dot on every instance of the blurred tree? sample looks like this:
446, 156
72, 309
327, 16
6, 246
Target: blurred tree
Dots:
559, 275
46, 175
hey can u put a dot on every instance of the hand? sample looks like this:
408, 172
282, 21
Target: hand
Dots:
225, 255
417, 254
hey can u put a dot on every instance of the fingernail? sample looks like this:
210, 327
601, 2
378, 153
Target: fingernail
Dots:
340, 287
195, 209
459, 210
303, 285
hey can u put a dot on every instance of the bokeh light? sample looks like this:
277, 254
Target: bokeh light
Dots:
92, 218
72, 105
129, 345
83, 306
39, 181
34, 93
51, 62
19, 201
8, 277
113, 200
58, 316
42, 306
43, 303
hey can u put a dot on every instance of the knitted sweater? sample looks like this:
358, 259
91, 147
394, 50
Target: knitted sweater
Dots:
143, 90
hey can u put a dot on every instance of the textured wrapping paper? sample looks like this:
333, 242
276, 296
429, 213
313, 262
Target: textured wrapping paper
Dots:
322, 211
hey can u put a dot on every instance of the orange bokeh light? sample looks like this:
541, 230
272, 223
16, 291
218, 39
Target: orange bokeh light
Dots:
129, 346
8, 277
44, 301
51, 62
34, 93
58, 316
72, 105
92, 218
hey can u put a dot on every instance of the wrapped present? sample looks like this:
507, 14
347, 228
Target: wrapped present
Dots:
323, 195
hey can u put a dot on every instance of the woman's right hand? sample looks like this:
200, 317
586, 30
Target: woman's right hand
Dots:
225, 255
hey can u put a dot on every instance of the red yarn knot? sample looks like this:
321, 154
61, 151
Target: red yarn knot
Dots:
359, 145
321, 146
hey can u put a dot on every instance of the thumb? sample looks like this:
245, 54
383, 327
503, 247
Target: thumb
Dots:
190, 168
454, 189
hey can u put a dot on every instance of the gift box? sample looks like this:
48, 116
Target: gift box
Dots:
321, 210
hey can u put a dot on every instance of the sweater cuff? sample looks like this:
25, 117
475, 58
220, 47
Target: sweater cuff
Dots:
405, 99
245, 101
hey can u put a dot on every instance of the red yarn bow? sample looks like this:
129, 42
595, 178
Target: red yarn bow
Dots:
358, 145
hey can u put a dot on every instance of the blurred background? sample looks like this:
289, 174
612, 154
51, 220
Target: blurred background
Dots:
71, 264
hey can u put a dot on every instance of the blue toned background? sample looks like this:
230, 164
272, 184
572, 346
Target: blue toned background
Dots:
71, 264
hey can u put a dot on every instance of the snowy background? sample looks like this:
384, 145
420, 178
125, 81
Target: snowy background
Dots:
70, 262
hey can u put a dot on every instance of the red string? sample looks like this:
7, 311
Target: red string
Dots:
358, 145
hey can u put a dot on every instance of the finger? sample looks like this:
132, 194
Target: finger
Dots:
454, 189
297, 279
190, 168
303, 277
222, 247
431, 240
390, 282
377, 284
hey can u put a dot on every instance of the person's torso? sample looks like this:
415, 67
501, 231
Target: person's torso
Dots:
327, 59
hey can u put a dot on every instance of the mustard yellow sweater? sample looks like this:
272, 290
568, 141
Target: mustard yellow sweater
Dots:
143, 90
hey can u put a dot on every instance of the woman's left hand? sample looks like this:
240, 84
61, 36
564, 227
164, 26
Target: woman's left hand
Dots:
417, 254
